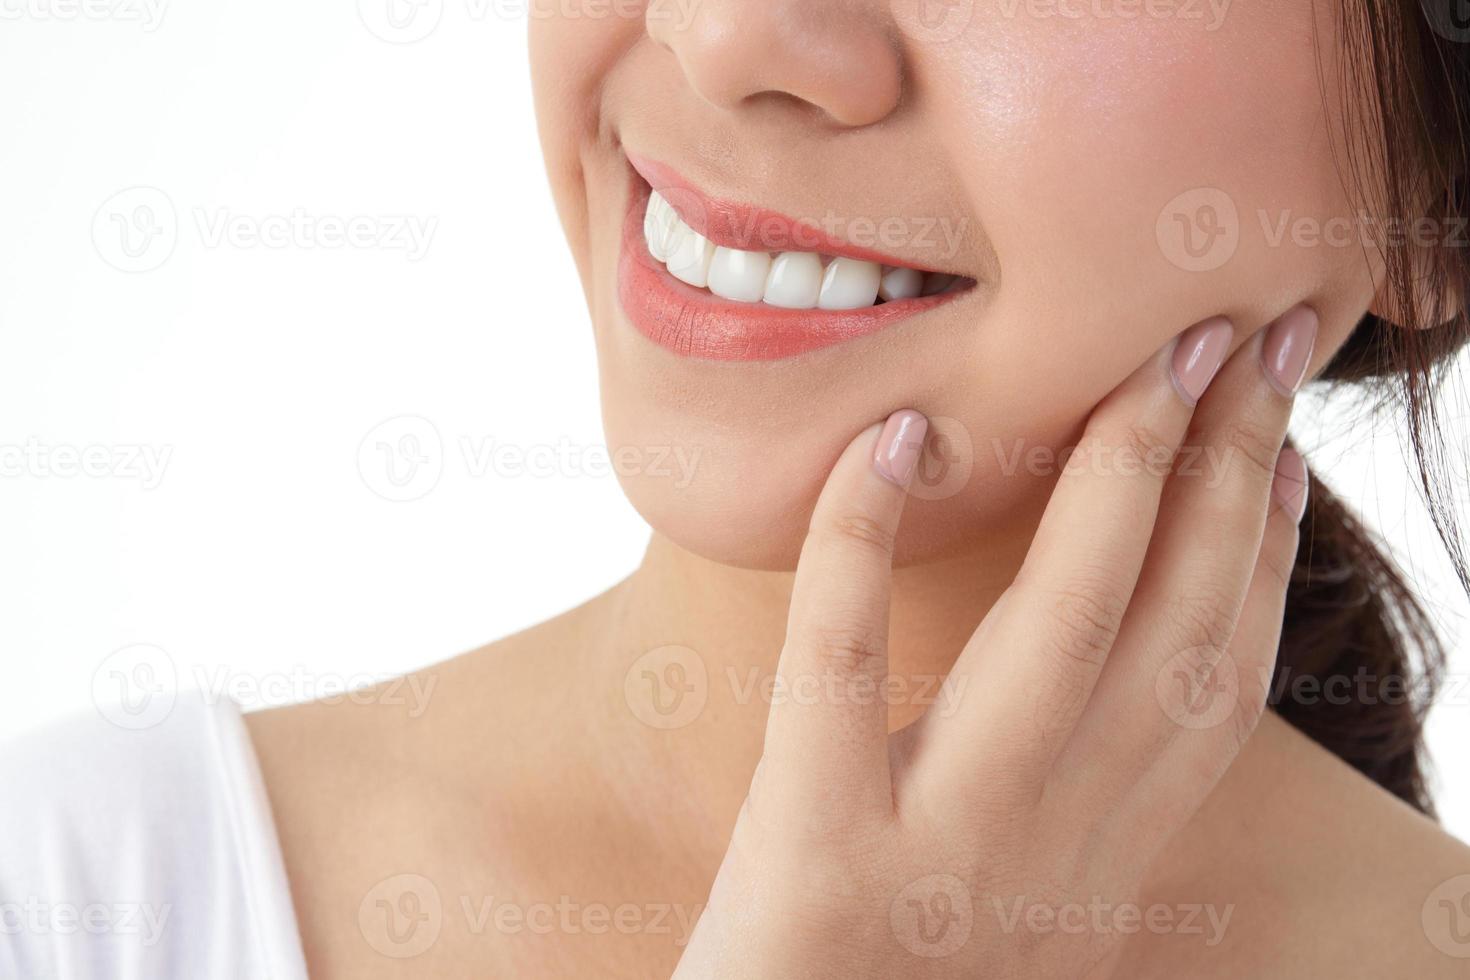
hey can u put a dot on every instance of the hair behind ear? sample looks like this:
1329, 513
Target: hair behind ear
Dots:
1351, 618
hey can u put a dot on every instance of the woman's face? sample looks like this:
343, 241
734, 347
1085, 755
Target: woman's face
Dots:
1101, 173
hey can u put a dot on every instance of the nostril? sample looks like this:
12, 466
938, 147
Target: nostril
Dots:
785, 55
777, 100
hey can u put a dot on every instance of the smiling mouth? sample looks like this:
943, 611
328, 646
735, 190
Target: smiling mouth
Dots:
722, 281
789, 280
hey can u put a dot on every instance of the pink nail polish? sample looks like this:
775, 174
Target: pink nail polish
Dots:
1287, 349
1289, 486
1198, 355
899, 445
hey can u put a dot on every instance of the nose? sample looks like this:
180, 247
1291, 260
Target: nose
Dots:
837, 55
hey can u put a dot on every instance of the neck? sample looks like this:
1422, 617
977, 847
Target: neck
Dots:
704, 696
683, 627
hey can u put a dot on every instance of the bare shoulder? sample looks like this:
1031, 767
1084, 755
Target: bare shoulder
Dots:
403, 783
1300, 866
416, 726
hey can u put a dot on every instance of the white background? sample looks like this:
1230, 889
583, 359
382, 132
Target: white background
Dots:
267, 556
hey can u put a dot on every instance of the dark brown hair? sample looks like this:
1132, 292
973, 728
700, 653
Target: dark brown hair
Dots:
1353, 625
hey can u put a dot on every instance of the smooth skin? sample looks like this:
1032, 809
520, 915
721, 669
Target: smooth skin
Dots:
1061, 777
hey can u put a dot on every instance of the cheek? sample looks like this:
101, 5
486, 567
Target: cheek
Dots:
570, 57
1134, 178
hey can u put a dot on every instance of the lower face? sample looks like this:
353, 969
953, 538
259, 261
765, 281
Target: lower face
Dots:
1056, 189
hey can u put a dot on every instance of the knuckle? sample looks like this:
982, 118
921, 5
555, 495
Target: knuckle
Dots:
1145, 446
1205, 625
1123, 447
1083, 622
847, 650
1254, 446
862, 531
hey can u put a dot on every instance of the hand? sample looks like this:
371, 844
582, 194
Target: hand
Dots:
1073, 755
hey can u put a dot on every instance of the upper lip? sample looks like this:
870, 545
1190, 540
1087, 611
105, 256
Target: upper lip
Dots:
733, 224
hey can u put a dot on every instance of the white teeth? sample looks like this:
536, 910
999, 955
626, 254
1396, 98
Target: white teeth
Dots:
658, 222
792, 280
795, 281
849, 284
739, 275
900, 283
937, 282
689, 255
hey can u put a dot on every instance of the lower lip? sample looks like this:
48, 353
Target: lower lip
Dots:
696, 323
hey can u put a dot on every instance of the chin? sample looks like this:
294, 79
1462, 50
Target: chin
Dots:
743, 494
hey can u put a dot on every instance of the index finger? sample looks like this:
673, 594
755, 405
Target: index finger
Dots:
828, 729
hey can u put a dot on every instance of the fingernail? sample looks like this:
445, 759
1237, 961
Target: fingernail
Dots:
1287, 349
1289, 485
899, 445
1198, 355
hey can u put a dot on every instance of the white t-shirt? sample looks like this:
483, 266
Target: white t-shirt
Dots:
145, 854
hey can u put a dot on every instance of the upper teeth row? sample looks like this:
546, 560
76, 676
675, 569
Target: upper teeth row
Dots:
794, 280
